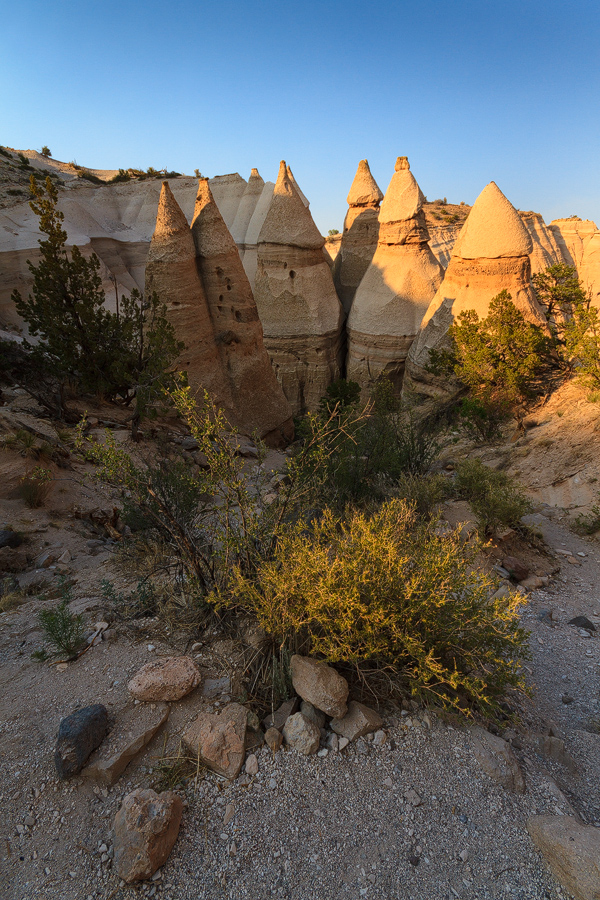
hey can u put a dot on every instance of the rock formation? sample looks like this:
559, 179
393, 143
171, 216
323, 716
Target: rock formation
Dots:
228, 191
296, 299
359, 238
545, 250
245, 210
250, 255
258, 402
397, 287
579, 242
490, 255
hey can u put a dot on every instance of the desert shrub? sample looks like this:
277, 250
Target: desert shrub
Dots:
63, 630
494, 497
5, 153
45, 151
385, 592
424, 493
35, 486
480, 421
588, 524
24, 161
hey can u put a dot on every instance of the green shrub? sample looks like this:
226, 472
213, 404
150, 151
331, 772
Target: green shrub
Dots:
35, 486
24, 161
63, 630
478, 420
494, 497
45, 151
386, 593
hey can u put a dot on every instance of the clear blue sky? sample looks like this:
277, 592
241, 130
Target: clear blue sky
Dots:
469, 90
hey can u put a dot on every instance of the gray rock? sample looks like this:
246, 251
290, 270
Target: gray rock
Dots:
497, 760
302, 734
554, 748
358, 721
308, 710
10, 538
78, 736
134, 729
281, 715
572, 851
582, 622
320, 684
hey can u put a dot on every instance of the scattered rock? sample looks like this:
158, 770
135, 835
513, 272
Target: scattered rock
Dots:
78, 735
252, 764
412, 797
343, 743
582, 622
135, 727
515, 567
281, 715
320, 684
219, 739
273, 739
215, 687
358, 721
146, 827
308, 710
554, 748
533, 583
165, 679
302, 734
572, 851
497, 760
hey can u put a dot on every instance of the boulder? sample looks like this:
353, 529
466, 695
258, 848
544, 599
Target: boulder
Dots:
320, 685
358, 721
359, 237
134, 729
490, 255
572, 851
297, 304
257, 402
219, 739
496, 759
78, 736
302, 734
397, 288
145, 830
170, 678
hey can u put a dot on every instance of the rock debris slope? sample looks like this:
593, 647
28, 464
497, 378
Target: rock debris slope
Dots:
397, 287
296, 299
258, 400
359, 238
490, 255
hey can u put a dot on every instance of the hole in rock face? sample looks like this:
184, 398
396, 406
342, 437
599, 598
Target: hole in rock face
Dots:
175, 303
292, 273
220, 298
219, 271
228, 287
238, 315
285, 265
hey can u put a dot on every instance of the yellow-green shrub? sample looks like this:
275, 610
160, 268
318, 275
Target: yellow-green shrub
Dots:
387, 592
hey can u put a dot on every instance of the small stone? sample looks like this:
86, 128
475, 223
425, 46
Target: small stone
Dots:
151, 648
229, 813
532, 583
78, 736
333, 742
273, 739
165, 679
497, 759
388, 782
315, 715
219, 739
464, 855
302, 734
582, 622
320, 684
412, 797
252, 764
566, 699
145, 828
343, 743
323, 753
379, 738
358, 721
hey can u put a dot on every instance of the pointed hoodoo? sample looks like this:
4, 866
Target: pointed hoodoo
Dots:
172, 272
258, 403
250, 257
359, 238
290, 175
397, 287
246, 209
297, 304
490, 255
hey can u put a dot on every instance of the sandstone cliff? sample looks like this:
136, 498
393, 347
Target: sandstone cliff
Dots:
579, 242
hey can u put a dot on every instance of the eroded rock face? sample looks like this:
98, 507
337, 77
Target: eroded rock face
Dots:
219, 739
359, 238
490, 255
145, 829
257, 400
165, 679
296, 299
545, 250
397, 288
572, 851
320, 685
579, 241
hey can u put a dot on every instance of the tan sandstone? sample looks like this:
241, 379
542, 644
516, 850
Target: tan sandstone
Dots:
218, 740
145, 830
397, 288
246, 209
579, 241
296, 299
257, 402
165, 679
572, 850
319, 684
359, 237
490, 255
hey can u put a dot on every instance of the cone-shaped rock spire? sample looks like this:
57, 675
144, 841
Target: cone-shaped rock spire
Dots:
397, 288
497, 246
246, 209
297, 304
258, 403
296, 185
359, 238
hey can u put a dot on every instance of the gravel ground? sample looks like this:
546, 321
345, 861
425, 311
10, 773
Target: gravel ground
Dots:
413, 818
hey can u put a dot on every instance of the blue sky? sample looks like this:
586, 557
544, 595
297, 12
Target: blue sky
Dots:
470, 91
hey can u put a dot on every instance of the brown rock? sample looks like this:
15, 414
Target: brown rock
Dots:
219, 739
302, 734
533, 583
516, 568
572, 851
320, 684
358, 721
134, 729
12, 560
282, 714
273, 739
145, 828
497, 760
165, 679
257, 400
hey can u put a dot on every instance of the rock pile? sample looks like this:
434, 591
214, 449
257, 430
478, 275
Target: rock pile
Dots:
359, 237
397, 288
490, 255
296, 299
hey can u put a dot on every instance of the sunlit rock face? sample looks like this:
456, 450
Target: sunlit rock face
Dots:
257, 399
490, 255
296, 299
579, 242
396, 289
545, 250
359, 238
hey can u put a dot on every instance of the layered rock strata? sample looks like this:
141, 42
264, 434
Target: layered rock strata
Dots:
397, 288
258, 402
360, 234
296, 299
246, 209
579, 242
545, 250
490, 255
